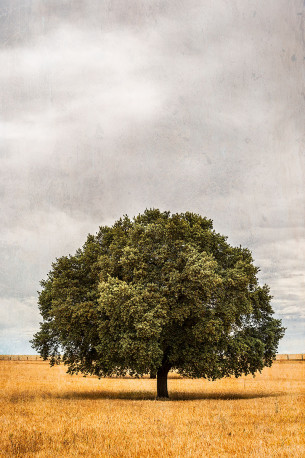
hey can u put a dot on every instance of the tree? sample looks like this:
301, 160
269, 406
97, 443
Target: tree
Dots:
156, 293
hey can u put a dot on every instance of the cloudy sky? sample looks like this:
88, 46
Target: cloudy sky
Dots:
109, 107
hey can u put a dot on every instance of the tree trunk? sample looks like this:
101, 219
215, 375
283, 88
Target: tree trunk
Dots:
162, 381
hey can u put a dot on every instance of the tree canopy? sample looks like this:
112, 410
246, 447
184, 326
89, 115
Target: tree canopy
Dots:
157, 292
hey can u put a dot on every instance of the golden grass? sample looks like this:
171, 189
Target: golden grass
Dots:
45, 412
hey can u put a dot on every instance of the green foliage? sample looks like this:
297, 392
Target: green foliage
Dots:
160, 290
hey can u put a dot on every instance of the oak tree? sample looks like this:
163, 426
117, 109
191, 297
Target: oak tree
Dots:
155, 293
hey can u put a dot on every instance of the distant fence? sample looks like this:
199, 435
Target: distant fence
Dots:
281, 357
291, 357
21, 358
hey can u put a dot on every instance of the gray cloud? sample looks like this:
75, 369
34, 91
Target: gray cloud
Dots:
112, 107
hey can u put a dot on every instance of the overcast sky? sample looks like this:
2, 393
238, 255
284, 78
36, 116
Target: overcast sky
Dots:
109, 107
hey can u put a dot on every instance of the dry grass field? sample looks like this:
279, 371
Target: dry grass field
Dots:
46, 413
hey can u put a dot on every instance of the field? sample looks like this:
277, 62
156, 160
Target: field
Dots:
46, 413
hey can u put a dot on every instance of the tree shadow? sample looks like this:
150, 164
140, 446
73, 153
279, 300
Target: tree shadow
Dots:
151, 396
229, 396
